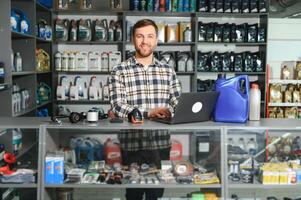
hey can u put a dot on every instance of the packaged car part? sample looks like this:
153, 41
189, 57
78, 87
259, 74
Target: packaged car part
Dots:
189, 63
212, 5
253, 6
203, 62
209, 32
85, 4
202, 6
262, 6
118, 31
214, 62
236, 6
114, 59
84, 30
225, 62
227, 6
258, 65
218, 32
72, 62
261, 34
226, 33
248, 62
168, 58
104, 61
245, 6
219, 6
202, 32
252, 33
238, 62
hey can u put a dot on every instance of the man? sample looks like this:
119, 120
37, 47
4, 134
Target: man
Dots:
145, 83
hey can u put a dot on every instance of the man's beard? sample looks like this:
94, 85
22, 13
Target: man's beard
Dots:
142, 53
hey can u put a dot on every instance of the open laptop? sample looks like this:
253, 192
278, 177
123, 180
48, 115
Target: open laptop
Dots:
193, 107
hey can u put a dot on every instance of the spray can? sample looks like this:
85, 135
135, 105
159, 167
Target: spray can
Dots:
174, 7
168, 5
162, 6
186, 6
255, 95
156, 5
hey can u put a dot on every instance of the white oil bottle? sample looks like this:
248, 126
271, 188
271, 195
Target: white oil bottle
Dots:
254, 111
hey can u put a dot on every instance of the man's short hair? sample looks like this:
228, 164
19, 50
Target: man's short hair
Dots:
143, 23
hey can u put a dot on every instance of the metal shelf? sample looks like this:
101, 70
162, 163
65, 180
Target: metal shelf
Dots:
169, 43
261, 186
238, 73
18, 35
234, 43
46, 72
231, 15
158, 14
22, 73
33, 185
284, 104
132, 186
84, 72
185, 73
82, 102
42, 40
27, 149
272, 81
87, 12
23, 112
89, 42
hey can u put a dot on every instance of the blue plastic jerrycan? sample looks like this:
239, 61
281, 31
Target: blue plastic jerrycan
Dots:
233, 102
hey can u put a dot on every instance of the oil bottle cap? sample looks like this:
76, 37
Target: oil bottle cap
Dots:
254, 86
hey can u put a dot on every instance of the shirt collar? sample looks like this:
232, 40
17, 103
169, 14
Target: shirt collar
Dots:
155, 62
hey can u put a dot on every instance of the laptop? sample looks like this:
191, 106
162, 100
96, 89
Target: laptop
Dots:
192, 107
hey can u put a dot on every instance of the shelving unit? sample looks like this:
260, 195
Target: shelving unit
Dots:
26, 44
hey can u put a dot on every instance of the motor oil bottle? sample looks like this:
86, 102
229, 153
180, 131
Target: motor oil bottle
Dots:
150, 6
118, 31
187, 35
84, 30
232, 104
58, 61
94, 61
65, 61
114, 59
82, 61
111, 31
192, 5
104, 61
182, 63
18, 62
71, 62
189, 64
73, 30
255, 96
100, 31
61, 29
142, 5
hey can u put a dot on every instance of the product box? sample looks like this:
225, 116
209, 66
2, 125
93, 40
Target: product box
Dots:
49, 169
172, 33
161, 31
58, 169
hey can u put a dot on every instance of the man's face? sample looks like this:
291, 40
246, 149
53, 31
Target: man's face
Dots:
145, 40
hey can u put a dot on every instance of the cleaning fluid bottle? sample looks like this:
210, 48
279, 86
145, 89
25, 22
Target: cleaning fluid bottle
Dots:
254, 113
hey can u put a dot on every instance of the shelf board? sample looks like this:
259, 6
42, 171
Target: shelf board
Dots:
89, 42
132, 186
230, 15
272, 81
185, 73
169, 43
23, 112
238, 73
18, 35
42, 40
262, 186
158, 14
87, 12
46, 72
233, 43
25, 185
84, 72
43, 104
22, 73
284, 104
4, 86
40, 7
82, 102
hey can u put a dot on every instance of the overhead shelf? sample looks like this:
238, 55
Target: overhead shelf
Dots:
284, 104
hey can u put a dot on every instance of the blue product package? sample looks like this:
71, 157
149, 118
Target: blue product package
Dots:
168, 5
49, 170
233, 102
59, 170
14, 20
192, 6
180, 5
185, 6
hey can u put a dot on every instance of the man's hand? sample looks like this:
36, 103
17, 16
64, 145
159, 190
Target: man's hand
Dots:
160, 112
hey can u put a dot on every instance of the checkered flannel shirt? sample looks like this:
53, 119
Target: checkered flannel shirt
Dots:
133, 86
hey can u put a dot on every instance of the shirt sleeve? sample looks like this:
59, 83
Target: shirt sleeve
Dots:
174, 91
118, 94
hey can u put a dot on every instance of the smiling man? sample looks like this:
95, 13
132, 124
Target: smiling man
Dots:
145, 83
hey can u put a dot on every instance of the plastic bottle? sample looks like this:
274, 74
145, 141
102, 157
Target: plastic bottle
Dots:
255, 95
18, 62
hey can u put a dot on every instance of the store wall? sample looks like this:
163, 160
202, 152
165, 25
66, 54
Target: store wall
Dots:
284, 43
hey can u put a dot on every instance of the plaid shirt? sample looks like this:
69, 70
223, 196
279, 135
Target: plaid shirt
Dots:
133, 86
